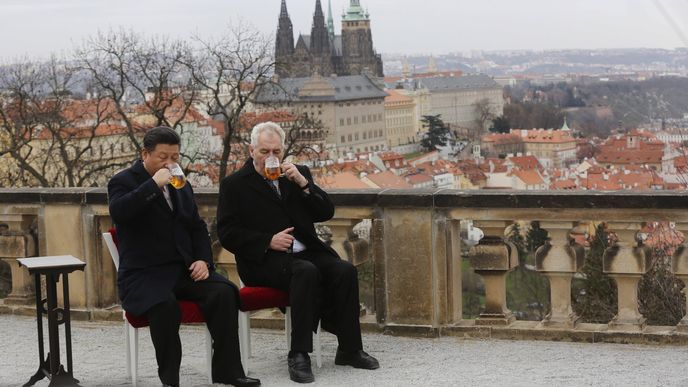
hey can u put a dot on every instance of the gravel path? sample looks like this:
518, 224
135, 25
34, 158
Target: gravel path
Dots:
99, 360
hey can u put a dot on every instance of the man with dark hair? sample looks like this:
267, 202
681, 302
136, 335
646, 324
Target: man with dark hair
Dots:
269, 226
165, 255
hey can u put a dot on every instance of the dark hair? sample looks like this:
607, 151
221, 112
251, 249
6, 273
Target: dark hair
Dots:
160, 135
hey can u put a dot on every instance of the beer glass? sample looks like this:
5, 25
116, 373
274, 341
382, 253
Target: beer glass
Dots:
272, 168
178, 179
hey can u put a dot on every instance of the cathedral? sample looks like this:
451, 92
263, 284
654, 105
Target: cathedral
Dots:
324, 53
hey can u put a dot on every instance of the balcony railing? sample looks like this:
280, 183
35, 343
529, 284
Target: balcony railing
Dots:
408, 248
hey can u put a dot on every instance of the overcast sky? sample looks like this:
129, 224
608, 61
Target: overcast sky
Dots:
39, 27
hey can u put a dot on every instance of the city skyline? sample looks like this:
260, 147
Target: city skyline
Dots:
43, 27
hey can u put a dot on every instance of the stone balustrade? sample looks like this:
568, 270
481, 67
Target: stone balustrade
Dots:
414, 255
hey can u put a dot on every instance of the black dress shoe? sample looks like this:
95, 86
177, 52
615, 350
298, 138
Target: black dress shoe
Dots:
356, 359
244, 382
300, 368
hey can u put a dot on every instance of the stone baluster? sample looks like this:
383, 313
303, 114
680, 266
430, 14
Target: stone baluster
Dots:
559, 260
13, 245
341, 227
679, 266
493, 258
626, 262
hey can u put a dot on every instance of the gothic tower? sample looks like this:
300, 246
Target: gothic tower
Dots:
357, 42
321, 47
284, 43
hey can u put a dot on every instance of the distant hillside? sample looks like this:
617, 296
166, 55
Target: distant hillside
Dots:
597, 108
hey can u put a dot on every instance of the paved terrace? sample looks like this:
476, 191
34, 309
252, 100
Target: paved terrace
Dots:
447, 361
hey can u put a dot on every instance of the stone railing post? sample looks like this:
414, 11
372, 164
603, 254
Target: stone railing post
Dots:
558, 260
679, 266
340, 233
626, 262
493, 258
17, 242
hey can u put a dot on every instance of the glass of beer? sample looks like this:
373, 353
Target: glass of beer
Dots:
272, 168
178, 179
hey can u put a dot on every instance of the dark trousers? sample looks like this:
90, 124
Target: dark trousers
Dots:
321, 287
218, 304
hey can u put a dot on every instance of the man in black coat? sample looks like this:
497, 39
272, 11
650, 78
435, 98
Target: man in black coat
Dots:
269, 226
165, 255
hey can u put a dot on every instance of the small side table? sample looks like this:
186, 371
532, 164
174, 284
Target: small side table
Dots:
52, 268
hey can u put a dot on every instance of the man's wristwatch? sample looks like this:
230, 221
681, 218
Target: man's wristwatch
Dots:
305, 185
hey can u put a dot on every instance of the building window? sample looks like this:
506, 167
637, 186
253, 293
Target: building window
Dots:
341, 122
348, 121
364, 136
350, 138
356, 120
343, 140
363, 119
356, 136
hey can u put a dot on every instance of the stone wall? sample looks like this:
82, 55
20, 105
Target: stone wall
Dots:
412, 273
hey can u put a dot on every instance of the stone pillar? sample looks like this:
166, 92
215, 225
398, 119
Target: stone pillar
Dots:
17, 242
409, 268
679, 266
493, 258
626, 262
340, 233
558, 260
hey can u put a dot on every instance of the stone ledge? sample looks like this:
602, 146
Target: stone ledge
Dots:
408, 198
583, 333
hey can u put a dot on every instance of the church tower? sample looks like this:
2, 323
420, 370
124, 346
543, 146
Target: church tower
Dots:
357, 42
321, 48
284, 43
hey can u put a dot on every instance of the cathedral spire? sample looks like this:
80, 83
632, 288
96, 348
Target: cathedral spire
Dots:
284, 42
283, 11
330, 20
320, 39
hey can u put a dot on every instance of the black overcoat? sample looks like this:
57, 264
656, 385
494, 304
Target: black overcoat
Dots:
249, 213
156, 244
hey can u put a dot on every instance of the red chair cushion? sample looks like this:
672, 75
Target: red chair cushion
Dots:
254, 298
113, 232
191, 313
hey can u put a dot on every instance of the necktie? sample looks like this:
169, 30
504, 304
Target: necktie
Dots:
166, 194
275, 186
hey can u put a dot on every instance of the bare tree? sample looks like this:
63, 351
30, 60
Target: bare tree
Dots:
51, 138
483, 114
305, 137
229, 72
148, 73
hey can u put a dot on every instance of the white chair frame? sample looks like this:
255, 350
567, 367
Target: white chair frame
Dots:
245, 337
131, 334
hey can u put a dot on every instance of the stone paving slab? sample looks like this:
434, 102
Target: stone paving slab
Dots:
448, 361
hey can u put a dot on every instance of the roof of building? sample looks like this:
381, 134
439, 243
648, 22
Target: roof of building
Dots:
464, 82
418, 178
395, 96
544, 136
525, 162
345, 180
342, 88
388, 180
528, 177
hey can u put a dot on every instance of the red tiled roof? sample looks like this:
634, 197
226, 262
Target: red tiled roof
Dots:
341, 180
388, 180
